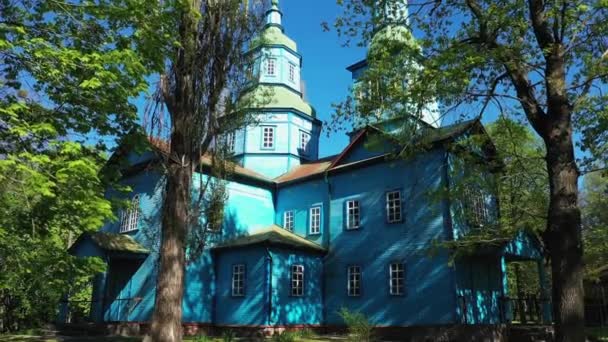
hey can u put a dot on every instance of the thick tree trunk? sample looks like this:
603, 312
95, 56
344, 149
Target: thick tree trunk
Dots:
563, 234
166, 322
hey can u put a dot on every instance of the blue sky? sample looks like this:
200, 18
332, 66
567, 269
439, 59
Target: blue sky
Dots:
324, 60
324, 63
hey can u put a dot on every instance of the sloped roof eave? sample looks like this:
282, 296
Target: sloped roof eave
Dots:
272, 235
111, 242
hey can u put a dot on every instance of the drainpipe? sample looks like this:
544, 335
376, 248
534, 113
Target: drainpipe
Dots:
328, 210
328, 239
269, 284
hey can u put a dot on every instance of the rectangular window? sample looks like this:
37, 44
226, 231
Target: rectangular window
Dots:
292, 73
315, 220
238, 280
393, 206
475, 207
288, 220
267, 137
353, 214
304, 139
297, 280
354, 281
129, 218
230, 141
271, 67
397, 279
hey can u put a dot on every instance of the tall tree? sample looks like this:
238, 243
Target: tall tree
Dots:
68, 73
201, 92
543, 58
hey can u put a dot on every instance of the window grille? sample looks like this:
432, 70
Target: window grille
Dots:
397, 279
304, 139
315, 220
292, 73
238, 280
268, 137
393, 206
353, 215
130, 217
476, 208
271, 67
354, 281
288, 220
297, 280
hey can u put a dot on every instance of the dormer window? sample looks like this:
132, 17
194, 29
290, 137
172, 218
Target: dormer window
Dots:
271, 67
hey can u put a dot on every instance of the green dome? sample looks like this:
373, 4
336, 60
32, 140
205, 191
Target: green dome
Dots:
281, 98
395, 35
272, 35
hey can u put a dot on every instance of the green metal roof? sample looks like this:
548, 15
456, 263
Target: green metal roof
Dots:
280, 97
274, 235
397, 34
450, 131
273, 35
117, 243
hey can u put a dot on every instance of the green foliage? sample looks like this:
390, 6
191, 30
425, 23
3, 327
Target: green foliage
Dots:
523, 183
594, 205
359, 327
203, 338
228, 336
522, 279
70, 71
514, 175
286, 336
307, 333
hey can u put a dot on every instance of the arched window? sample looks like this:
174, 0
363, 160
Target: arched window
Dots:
129, 217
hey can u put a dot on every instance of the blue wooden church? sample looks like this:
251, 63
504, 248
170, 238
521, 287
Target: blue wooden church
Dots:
303, 237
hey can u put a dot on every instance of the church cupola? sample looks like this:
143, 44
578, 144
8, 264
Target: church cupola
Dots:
274, 15
392, 32
286, 132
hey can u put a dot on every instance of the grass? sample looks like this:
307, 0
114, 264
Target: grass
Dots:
599, 334
35, 338
38, 338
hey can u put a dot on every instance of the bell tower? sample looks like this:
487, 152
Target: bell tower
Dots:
287, 131
392, 24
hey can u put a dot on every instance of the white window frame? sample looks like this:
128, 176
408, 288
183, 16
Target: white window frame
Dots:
238, 280
271, 67
292, 73
396, 279
394, 212
315, 220
230, 141
304, 140
289, 220
353, 281
353, 214
129, 218
268, 136
476, 206
297, 280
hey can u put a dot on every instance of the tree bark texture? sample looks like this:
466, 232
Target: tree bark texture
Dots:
166, 322
563, 235
178, 89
